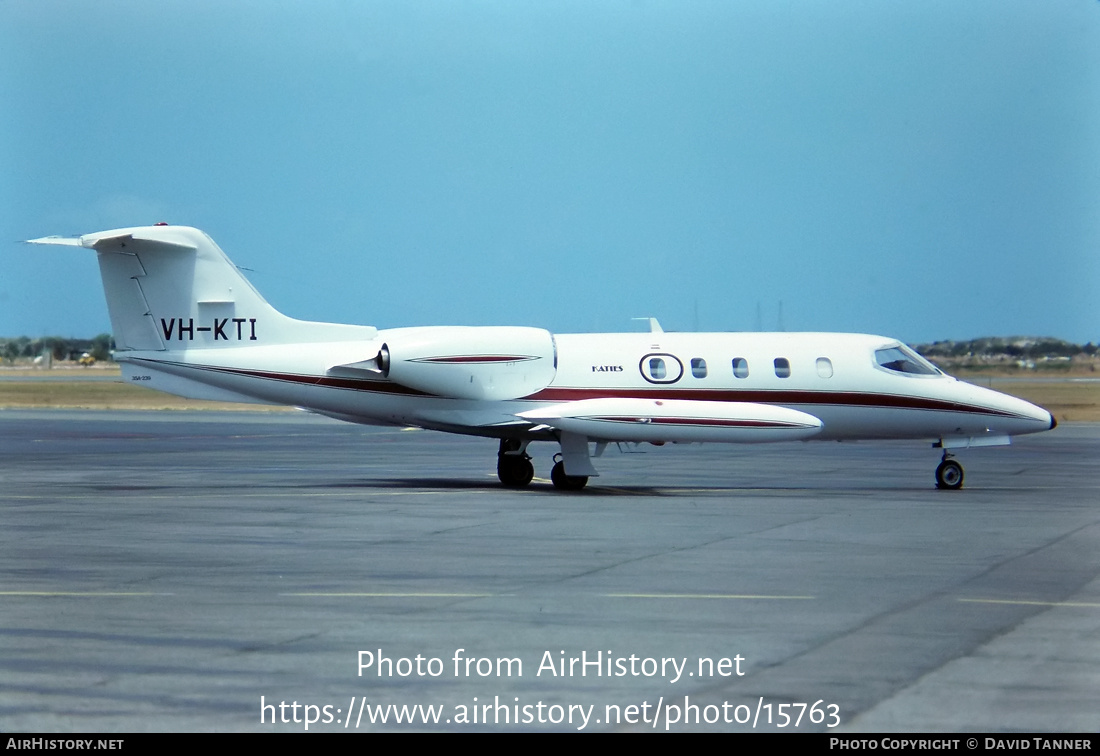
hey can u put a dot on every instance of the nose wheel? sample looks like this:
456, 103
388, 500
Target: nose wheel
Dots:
949, 474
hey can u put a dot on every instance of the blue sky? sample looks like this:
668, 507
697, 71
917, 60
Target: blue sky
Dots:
926, 170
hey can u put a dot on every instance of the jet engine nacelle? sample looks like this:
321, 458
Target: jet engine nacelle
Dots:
484, 362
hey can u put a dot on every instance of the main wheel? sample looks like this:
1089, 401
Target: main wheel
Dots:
515, 471
565, 482
949, 475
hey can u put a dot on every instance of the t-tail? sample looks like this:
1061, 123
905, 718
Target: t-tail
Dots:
172, 290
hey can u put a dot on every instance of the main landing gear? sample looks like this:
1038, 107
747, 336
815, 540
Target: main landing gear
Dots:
515, 470
514, 467
565, 482
949, 474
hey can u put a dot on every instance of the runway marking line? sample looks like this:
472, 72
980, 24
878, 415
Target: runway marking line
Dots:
351, 491
84, 594
393, 595
1020, 602
708, 596
605, 595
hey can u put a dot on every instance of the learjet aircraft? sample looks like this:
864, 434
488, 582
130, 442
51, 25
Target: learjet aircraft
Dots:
187, 322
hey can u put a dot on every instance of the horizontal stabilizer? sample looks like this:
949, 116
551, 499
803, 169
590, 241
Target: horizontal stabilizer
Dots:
107, 239
60, 241
659, 420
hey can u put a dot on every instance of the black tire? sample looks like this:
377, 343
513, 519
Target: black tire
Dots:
949, 475
515, 471
564, 482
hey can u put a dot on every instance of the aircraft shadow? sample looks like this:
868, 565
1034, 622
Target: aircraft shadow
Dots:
536, 488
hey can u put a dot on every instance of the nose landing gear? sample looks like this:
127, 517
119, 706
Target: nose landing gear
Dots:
949, 473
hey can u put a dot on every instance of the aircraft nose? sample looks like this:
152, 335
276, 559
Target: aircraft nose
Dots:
1039, 413
1035, 412
1018, 416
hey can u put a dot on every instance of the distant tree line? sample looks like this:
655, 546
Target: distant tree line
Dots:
58, 347
1018, 347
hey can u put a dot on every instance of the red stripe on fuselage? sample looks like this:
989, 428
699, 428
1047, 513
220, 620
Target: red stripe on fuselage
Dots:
757, 396
765, 396
355, 384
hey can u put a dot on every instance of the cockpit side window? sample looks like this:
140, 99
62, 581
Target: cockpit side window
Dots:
902, 359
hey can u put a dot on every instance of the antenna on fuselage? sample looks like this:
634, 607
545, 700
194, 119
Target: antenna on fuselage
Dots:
654, 326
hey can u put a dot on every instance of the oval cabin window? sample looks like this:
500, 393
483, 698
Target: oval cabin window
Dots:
661, 368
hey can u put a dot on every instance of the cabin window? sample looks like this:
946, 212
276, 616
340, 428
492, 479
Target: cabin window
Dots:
740, 367
698, 367
902, 359
656, 368
824, 367
661, 368
782, 367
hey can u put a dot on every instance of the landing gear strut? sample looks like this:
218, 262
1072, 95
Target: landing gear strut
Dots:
514, 467
949, 474
565, 482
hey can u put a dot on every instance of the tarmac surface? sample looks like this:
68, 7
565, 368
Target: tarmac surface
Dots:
179, 571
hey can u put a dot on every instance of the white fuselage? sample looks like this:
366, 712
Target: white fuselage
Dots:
833, 377
186, 321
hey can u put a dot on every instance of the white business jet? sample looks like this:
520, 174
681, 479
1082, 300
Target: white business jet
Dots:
187, 322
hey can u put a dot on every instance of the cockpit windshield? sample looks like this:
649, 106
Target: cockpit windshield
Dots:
902, 359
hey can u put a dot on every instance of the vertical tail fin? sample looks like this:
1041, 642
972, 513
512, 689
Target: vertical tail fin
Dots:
173, 288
